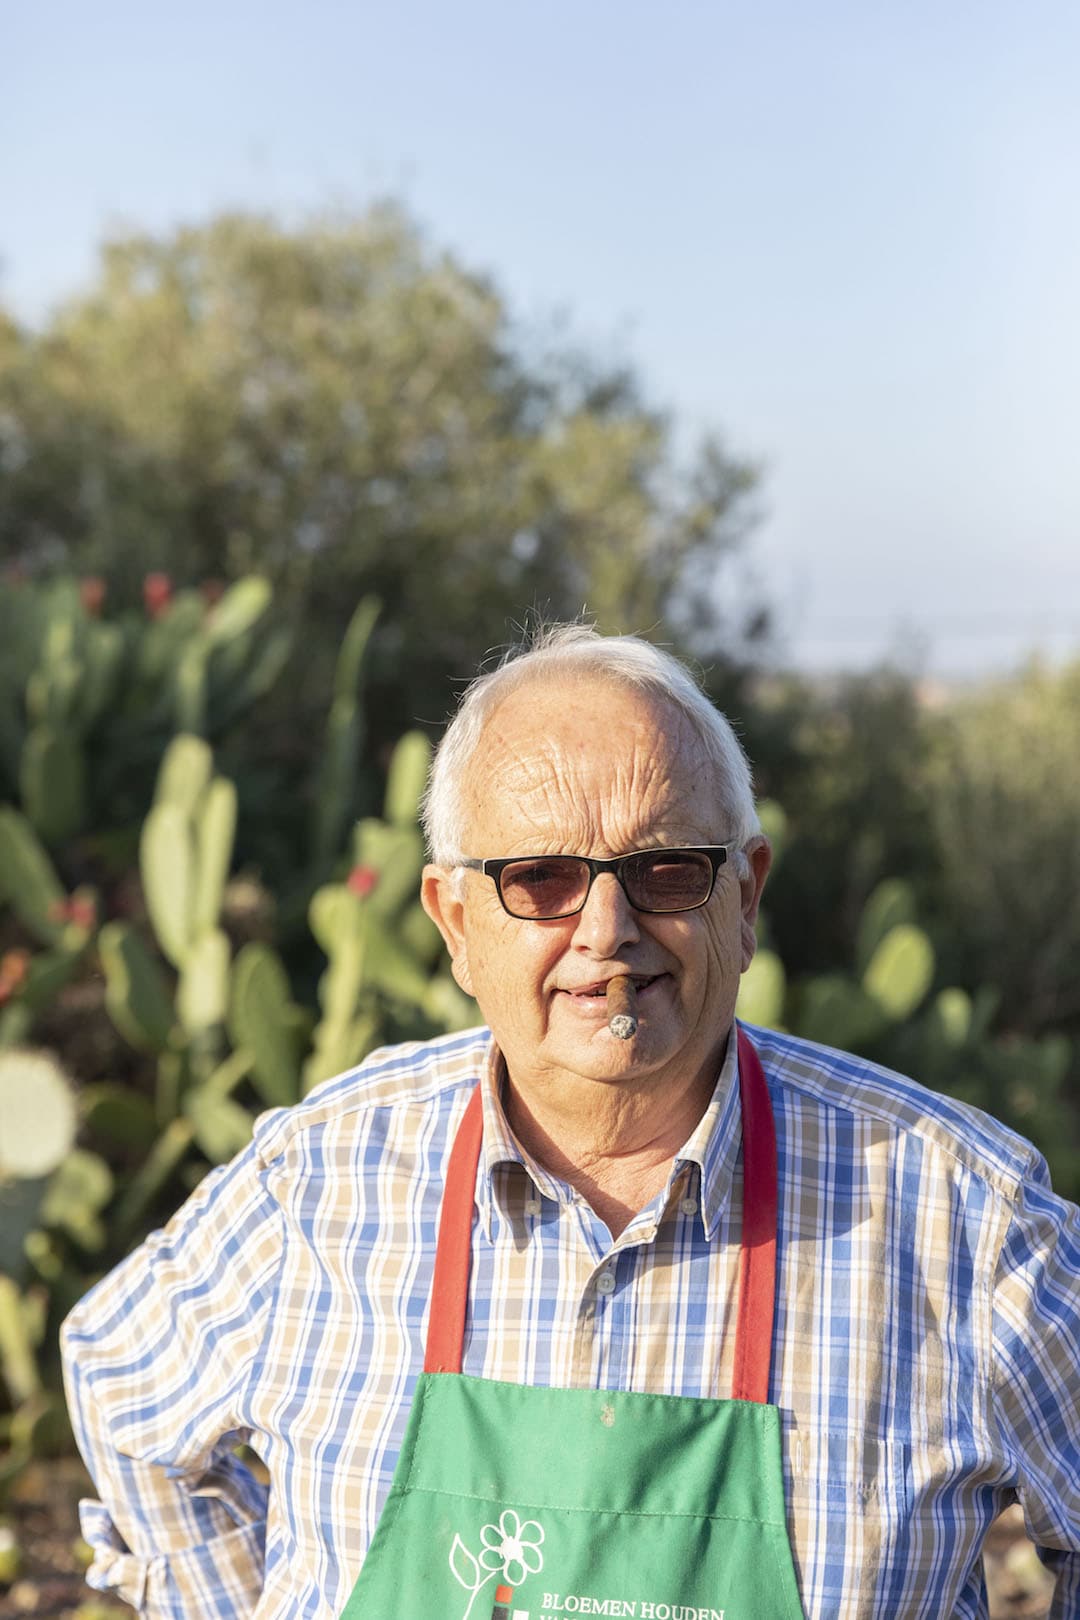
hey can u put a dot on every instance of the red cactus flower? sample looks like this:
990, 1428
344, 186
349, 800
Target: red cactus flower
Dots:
92, 592
81, 909
14, 966
157, 594
361, 880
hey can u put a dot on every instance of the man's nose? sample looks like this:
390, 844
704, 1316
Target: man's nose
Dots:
607, 921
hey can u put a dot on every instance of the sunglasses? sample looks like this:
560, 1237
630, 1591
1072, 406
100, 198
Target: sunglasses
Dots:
543, 888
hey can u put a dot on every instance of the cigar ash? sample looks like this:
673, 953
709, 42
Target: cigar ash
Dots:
622, 1007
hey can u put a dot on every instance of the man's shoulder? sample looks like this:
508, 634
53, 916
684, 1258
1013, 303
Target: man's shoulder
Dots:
423, 1078
805, 1076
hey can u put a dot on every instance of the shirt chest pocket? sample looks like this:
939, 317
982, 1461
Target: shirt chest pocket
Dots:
849, 1510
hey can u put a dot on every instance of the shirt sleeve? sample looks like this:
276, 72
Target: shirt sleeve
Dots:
156, 1359
1037, 1374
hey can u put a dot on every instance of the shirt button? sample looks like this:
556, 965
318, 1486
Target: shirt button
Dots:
532, 1206
605, 1283
689, 1206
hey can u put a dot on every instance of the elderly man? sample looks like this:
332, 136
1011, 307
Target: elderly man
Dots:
610, 1307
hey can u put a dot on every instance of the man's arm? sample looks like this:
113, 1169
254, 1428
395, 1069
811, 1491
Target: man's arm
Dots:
156, 1360
1037, 1374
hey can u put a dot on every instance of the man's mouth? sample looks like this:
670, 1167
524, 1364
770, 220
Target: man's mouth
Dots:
598, 991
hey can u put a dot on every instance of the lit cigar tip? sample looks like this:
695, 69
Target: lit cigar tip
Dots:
622, 1007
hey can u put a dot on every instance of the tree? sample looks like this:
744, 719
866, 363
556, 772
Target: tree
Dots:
345, 409
1004, 792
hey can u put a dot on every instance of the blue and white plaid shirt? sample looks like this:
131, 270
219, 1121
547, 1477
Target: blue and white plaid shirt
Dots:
926, 1355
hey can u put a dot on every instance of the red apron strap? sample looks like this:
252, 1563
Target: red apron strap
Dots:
450, 1285
757, 1258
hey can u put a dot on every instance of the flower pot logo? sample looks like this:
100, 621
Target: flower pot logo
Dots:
509, 1553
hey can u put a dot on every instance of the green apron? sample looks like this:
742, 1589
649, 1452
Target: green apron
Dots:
515, 1503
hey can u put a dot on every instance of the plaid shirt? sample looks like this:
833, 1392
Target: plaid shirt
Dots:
926, 1357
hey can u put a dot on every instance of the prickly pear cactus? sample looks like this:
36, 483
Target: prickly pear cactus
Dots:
37, 1114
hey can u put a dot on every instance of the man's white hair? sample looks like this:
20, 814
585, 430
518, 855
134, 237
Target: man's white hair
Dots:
562, 652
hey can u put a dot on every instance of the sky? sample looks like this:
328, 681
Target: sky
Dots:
845, 236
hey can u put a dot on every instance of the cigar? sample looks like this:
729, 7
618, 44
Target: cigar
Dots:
622, 1007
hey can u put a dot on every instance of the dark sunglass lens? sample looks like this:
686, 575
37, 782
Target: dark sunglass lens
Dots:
668, 880
544, 888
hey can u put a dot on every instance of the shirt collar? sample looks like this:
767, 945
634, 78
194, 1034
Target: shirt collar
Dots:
713, 1146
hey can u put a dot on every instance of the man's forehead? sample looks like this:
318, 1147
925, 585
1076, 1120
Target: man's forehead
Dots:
560, 759
567, 718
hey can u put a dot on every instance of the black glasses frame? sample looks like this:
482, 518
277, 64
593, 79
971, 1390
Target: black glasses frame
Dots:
716, 854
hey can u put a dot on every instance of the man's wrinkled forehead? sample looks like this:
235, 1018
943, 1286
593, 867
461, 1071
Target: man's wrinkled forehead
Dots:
555, 757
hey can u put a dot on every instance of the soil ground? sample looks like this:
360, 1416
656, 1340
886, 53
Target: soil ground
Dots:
43, 1517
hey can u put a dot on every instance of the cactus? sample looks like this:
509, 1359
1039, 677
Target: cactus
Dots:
167, 861
77, 1193
762, 990
261, 1024
337, 773
953, 1012
27, 878
900, 971
52, 782
184, 774
20, 1334
395, 856
202, 995
118, 1114
220, 1125
890, 904
407, 779
135, 995
37, 1130
835, 1011
215, 830
186, 848
37, 1114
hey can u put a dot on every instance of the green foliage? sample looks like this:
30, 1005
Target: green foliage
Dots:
343, 409
1004, 793
945, 1042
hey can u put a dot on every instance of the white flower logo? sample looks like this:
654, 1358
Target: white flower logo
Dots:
509, 1549
513, 1546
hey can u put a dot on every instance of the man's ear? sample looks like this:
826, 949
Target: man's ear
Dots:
441, 898
759, 854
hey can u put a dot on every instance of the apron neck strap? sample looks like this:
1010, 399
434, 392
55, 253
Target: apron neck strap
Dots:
757, 1255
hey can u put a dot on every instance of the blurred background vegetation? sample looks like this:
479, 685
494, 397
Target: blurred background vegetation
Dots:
267, 497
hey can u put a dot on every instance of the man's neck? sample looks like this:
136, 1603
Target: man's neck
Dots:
613, 1145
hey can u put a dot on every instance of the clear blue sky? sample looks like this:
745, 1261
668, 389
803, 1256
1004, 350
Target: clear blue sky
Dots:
846, 234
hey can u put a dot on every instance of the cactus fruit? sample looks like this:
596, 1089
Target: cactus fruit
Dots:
396, 854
